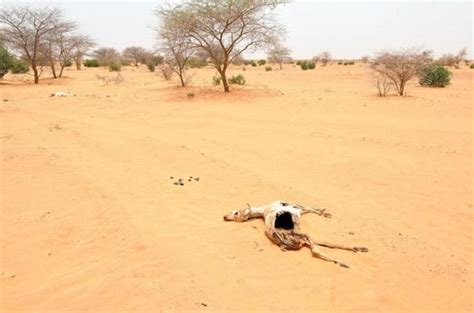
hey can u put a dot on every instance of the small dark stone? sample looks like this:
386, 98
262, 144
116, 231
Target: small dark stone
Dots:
203, 304
171, 177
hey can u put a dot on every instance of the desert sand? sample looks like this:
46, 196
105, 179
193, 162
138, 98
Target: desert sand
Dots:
91, 221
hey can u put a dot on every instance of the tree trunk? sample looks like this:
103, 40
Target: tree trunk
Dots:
78, 63
35, 71
53, 69
281, 65
224, 81
402, 88
181, 77
61, 70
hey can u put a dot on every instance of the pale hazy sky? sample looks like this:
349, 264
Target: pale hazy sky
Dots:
346, 29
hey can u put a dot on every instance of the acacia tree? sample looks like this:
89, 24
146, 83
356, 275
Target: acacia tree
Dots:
82, 44
225, 29
324, 57
400, 66
25, 28
135, 54
174, 43
106, 56
278, 54
57, 45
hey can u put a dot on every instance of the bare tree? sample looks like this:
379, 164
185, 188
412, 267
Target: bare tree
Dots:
451, 59
106, 56
57, 45
225, 29
400, 66
25, 28
82, 45
174, 44
135, 54
364, 59
279, 54
382, 83
325, 57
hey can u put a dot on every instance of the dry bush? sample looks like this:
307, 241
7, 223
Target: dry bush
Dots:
166, 71
106, 79
452, 60
324, 57
400, 66
382, 83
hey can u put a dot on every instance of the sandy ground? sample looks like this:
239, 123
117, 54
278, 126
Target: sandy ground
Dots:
91, 221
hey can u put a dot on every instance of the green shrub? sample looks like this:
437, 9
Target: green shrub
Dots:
196, 63
268, 68
434, 75
305, 65
190, 95
253, 63
262, 62
115, 67
19, 67
216, 80
6, 61
298, 62
150, 66
471, 66
349, 63
339, 63
238, 80
91, 63
68, 63
247, 62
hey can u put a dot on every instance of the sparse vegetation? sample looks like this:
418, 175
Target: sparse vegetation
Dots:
19, 67
40, 35
106, 56
279, 54
382, 83
216, 80
452, 60
166, 71
195, 62
471, 66
135, 55
400, 66
6, 61
224, 30
106, 79
324, 57
306, 65
268, 68
115, 67
237, 80
151, 67
91, 63
262, 62
434, 75
190, 95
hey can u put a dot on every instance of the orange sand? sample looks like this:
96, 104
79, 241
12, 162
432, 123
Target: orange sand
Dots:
90, 219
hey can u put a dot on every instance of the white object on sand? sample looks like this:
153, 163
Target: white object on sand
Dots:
62, 94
